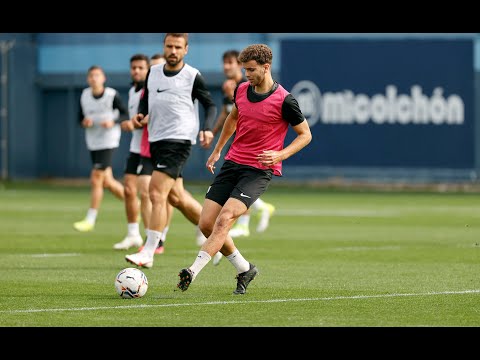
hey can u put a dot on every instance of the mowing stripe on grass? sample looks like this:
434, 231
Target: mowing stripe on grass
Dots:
244, 302
51, 255
337, 212
280, 212
363, 248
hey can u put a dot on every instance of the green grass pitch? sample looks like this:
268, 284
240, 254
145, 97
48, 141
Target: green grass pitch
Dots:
328, 259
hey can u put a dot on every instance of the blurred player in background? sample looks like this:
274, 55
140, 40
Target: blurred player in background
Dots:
101, 111
254, 157
232, 70
137, 173
157, 59
173, 127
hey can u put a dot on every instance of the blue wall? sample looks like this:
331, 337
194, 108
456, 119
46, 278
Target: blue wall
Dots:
75, 52
402, 103
23, 121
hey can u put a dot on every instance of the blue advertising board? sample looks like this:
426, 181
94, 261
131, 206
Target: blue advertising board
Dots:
383, 103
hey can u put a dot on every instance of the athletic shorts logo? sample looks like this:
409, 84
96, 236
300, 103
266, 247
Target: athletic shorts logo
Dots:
159, 91
161, 166
139, 169
243, 195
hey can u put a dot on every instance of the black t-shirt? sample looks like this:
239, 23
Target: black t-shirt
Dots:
290, 109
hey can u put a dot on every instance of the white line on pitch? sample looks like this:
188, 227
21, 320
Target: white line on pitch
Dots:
245, 302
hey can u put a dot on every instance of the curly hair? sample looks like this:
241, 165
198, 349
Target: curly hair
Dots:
261, 53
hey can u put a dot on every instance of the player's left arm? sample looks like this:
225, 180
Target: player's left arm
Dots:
200, 91
290, 112
118, 104
122, 113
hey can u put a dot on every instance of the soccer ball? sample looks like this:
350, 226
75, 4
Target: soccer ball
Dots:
131, 283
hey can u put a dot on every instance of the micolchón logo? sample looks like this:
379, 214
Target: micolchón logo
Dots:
345, 107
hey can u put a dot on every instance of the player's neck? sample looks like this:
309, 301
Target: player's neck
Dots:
177, 67
98, 90
265, 86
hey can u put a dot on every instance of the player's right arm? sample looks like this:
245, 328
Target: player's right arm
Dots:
141, 119
220, 120
228, 129
228, 89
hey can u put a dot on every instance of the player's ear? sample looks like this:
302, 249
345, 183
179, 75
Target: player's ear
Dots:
186, 49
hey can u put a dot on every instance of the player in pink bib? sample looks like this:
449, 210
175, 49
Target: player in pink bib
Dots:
262, 112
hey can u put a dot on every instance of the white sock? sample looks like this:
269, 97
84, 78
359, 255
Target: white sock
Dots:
164, 234
258, 205
153, 238
239, 262
133, 229
244, 220
200, 237
91, 215
202, 259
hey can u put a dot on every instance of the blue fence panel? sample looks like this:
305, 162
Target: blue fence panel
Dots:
376, 103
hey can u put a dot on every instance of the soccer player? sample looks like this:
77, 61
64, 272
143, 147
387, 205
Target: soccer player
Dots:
261, 115
101, 111
232, 69
137, 172
173, 125
157, 58
187, 205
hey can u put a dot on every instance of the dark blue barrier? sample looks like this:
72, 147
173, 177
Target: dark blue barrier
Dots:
382, 103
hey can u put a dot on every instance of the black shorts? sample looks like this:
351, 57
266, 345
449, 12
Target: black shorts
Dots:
241, 182
138, 165
133, 161
145, 167
170, 156
101, 159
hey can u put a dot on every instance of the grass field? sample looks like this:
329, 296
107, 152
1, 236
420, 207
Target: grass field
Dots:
329, 259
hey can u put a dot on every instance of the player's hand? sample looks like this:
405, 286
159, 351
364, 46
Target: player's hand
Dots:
269, 157
206, 138
127, 125
107, 124
137, 121
145, 120
211, 161
86, 122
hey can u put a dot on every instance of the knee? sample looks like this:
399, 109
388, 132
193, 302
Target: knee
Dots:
129, 191
107, 183
206, 227
174, 200
144, 196
225, 220
96, 180
156, 197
